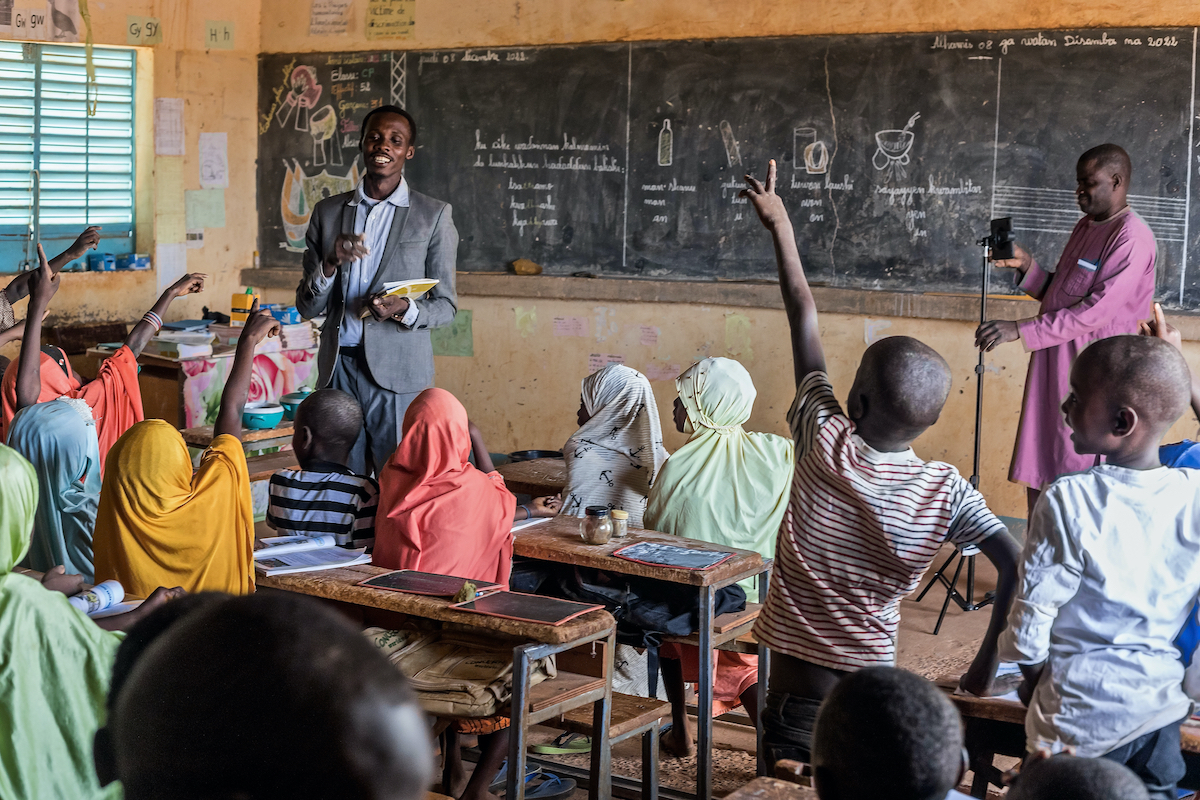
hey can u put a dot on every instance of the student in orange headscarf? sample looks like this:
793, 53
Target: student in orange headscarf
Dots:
157, 522
438, 513
45, 374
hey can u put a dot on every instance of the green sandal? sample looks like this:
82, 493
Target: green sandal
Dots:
564, 745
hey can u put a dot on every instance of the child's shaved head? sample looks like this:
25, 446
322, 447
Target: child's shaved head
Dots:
334, 417
1139, 372
906, 380
268, 696
1066, 777
883, 721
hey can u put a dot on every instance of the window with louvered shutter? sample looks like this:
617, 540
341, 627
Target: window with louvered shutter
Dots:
84, 164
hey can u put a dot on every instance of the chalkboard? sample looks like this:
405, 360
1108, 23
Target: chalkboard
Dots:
893, 151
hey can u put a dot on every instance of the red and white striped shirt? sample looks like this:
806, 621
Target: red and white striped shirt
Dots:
862, 527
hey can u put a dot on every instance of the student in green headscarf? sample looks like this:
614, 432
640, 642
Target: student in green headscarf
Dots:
728, 487
55, 670
59, 439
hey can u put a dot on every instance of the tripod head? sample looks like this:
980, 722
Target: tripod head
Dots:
1000, 242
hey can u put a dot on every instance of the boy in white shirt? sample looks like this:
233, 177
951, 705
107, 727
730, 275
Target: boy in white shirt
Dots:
1110, 567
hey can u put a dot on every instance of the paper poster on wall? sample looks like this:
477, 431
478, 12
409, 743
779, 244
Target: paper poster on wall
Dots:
169, 225
66, 24
6, 9
455, 339
205, 208
29, 21
218, 35
170, 264
329, 17
168, 126
391, 19
214, 161
142, 30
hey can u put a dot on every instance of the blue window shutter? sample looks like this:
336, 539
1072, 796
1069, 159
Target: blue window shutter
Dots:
85, 164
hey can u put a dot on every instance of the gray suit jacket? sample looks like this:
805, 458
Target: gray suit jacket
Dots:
422, 244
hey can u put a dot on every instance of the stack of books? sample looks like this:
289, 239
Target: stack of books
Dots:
298, 337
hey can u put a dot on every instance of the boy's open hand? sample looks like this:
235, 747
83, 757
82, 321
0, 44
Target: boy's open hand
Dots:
43, 282
192, 283
768, 204
259, 325
1160, 328
88, 240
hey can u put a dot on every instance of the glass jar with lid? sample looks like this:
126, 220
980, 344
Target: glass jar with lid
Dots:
596, 527
620, 520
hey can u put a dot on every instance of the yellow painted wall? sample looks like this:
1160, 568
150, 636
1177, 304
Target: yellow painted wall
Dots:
219, 92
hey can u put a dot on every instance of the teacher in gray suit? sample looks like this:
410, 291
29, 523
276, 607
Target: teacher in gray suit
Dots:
358, 241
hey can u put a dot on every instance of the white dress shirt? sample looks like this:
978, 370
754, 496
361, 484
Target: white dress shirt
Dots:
373, 219
1110, 568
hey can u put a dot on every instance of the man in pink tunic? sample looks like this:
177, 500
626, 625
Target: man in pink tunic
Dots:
1103, 286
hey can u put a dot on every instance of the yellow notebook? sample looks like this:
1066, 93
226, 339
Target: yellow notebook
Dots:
410, 289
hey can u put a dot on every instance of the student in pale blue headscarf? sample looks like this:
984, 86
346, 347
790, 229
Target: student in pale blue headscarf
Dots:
59, 439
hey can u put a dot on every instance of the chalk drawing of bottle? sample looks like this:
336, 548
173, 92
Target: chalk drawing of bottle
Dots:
666, 144
322, 126
731, 146
810, 151
892, 146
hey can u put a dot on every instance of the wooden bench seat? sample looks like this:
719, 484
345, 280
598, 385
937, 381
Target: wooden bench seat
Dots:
629, 716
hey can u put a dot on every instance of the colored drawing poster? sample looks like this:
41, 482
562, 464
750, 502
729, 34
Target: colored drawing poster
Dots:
310, 110
329, 17
455, 339
391, 19
205, 208
214, 161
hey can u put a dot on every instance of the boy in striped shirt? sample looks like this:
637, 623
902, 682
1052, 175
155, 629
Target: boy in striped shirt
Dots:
324, 496
866, 515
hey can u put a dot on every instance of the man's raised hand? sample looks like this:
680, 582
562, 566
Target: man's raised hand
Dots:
767, 204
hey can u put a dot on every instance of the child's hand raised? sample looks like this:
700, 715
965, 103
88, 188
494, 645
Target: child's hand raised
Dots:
43, 282
192, 283
259, 325
767, 204
86, 241
1160, 328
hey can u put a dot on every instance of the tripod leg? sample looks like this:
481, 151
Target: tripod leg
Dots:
949, 594
939, 575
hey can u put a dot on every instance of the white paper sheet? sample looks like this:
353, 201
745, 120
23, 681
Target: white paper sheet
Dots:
170, 263
168, 126
214, 161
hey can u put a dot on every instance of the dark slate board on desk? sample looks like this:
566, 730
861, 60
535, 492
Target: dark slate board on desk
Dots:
878, 203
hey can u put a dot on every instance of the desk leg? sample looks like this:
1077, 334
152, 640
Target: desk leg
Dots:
600, 771
518, 725
704, 698
764, 676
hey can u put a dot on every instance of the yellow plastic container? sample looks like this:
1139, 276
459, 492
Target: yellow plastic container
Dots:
239, 307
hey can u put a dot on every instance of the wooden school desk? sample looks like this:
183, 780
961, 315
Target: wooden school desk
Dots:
997, 727
530, 705
558, 541
202, 436
537, 478
773, 789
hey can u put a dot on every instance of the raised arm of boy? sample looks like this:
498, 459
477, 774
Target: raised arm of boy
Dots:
1158, 326
144, 329
807, 353
19, 287
259, 325
43, 283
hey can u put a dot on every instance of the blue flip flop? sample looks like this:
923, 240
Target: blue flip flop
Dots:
552, 788
501, 779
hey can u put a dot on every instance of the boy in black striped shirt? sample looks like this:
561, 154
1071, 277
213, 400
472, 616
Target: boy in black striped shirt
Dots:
324, 496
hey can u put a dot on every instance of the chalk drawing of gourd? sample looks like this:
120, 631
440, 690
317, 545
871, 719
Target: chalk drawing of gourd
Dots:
892, 146
301, 192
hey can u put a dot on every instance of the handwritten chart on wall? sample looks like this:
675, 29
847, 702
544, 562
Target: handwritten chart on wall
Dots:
893, 151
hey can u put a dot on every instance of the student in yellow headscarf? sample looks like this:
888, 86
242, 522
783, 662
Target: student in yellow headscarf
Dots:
55, 666
728, 487
158, 524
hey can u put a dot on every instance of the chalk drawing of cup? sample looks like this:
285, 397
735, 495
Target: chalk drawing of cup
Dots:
891, 156
816, 158
322, 125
